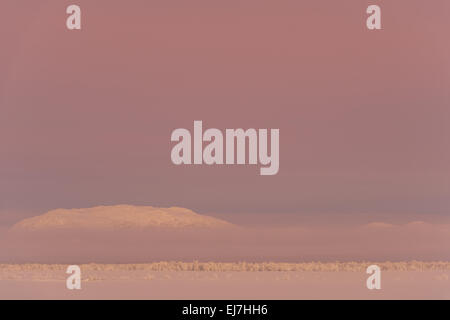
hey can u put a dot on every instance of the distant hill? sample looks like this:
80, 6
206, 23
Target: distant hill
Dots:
120, 217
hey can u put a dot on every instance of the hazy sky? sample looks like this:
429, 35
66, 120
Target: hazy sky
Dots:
364, 116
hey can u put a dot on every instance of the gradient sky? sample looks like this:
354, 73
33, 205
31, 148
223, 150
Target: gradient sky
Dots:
364, 116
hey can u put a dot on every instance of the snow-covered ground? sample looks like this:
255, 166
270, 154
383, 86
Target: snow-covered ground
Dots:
398, 280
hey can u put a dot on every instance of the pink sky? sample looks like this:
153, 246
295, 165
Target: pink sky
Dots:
364, 116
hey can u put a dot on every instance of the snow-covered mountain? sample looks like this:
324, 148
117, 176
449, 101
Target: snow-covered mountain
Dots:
120, 217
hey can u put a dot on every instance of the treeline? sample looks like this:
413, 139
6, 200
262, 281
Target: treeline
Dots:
239, 266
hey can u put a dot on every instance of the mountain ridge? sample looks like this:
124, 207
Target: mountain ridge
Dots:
117, 217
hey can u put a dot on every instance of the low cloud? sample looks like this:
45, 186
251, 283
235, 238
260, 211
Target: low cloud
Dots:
376, 241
